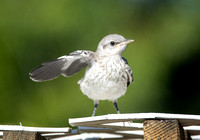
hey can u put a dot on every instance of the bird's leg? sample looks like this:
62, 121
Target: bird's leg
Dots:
116, 106
96, 104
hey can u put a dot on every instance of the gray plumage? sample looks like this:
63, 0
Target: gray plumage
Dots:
66, 65
107, 76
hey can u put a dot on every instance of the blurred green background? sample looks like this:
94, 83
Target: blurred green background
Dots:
165, 56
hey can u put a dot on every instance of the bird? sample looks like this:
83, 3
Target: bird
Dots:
107, 75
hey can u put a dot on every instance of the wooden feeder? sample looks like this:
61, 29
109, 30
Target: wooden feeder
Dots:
148, 126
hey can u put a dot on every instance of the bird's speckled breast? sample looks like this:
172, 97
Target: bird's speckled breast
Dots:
105, 79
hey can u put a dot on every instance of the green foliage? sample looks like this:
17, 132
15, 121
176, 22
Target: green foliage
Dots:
164, 56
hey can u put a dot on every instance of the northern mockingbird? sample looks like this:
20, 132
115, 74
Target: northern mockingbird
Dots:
108, 74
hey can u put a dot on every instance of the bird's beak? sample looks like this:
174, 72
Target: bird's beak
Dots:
127, 41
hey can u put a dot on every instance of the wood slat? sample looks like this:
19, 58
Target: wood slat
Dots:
185, 120
34, 129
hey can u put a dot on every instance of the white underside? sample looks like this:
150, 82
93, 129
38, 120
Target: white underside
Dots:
105, 79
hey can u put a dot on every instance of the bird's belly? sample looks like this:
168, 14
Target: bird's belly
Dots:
103, 84
107, 91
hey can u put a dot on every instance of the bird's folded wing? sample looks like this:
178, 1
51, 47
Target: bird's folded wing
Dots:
66, 65
128, 72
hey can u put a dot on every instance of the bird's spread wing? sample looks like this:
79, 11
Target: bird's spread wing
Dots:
128, 72
66, 65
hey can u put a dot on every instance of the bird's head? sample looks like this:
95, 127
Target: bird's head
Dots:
112, 44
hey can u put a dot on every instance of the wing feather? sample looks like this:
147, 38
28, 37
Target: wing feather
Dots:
66, 65
128, 72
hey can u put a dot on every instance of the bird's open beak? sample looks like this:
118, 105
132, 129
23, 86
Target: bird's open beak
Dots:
124, 42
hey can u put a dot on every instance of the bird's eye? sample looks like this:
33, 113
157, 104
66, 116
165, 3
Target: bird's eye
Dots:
112, 43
